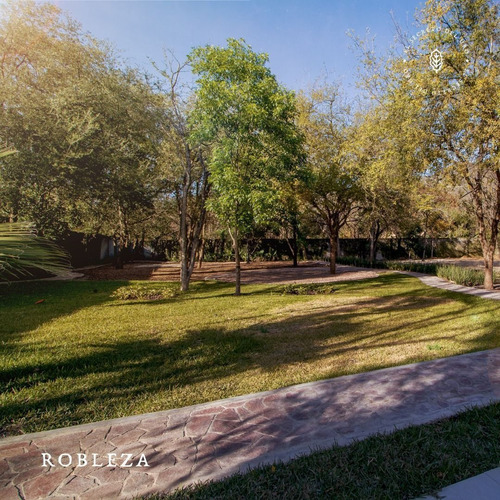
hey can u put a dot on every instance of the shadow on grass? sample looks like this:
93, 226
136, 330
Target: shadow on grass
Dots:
106, 382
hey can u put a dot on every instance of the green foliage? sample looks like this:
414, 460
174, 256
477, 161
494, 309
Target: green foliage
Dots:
458, 274
84, 128
462, 275
247, 117
394, 265
332, 187
22, 252
308, 289
448, 119
144, 292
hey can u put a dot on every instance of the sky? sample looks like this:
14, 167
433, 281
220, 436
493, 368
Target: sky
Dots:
306, 40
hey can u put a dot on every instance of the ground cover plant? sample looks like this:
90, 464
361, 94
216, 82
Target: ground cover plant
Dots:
138, 292
72, 353
461, 275
309, 289
402, 465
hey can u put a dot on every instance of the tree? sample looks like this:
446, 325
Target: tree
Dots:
125, 180
184, 165
45, 61
333, 187
387, 184
448, 105
247, 118
86, 129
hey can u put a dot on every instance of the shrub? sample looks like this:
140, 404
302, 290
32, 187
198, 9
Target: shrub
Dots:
416, 267
461, 275
141, 292
395, 265
308, 289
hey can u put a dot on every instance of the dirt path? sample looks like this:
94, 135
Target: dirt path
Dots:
254, 272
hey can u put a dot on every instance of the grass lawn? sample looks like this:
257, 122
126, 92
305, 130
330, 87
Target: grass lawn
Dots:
402, 465
81, 355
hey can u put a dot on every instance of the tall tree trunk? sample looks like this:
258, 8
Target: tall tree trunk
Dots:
248, 252
374, 236
488, 270
183, 208
237, 266
295, 248
201, 255
488, 241
333, 235
122, 239
191, 240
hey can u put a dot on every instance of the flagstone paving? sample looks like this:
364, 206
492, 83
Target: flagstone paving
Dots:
212, 440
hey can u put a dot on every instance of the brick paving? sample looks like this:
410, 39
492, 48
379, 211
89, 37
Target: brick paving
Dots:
216, 439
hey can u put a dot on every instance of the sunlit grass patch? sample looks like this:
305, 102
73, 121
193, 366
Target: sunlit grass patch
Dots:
83, 355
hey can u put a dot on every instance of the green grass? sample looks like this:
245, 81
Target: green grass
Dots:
83, 355
402, 465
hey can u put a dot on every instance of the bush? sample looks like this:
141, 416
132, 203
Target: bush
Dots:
308, 289
416, 267
141, 292
395, 265
461, 275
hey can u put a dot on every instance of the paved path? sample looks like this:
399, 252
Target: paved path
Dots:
446, 285
485, 486
216, 439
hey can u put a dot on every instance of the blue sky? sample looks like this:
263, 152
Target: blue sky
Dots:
305, 39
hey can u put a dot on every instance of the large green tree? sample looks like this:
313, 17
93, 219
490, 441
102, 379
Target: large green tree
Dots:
333, 189
45, 62
86, 129
443, 93
248, 119
387, 182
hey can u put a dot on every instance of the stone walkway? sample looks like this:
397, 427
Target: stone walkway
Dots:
213, 440
446, 285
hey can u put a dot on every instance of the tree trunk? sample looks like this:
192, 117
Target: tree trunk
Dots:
191, 238
334, 241
488, 242
122, 239
488, 271
236, 246
295, 248
183, 240
184, 259
292, 245
374, 236
202, 252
